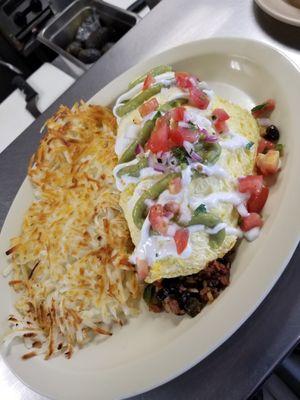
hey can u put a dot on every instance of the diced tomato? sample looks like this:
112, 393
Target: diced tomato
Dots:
220, 126
257, 200
268, 163
220, 114
148, 107
252, 221
264, 145
198, 98
219, 117
179, 134
149, 80
177, 114
263, 110
158, 219
142, 268
175, 185
159, 140
184, 80
181, 239
250, 184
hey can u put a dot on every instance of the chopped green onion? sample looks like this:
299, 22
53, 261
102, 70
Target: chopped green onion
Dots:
200, 209
280, 147
192, 125
156, 116
258, 107
249, 145
180, 154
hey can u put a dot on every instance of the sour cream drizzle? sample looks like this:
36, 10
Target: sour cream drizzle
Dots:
152, 248
213, 199
167, 78
233, 141
123, 181
122, 143
155, 247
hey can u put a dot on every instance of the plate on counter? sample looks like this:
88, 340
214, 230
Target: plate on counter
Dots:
153, 349
287, 11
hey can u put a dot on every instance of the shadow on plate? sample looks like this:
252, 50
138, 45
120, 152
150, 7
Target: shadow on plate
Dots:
282, 32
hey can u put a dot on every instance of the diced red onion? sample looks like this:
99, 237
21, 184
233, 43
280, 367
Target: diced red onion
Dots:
151, 161
165, 157
159, 167
139, 149
188, 147
195, 156
209, 138
168, 214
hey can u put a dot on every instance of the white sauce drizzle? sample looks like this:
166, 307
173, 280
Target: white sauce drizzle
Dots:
213, 199
195, 116
167, 78
122, 143
242, 210
215, 170
233, 141
118, 168
252, 234
123, 181
152, 248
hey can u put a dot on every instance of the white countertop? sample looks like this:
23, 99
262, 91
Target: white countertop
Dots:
199, 19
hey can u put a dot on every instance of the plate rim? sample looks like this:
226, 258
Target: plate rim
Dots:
266, 7
288, 255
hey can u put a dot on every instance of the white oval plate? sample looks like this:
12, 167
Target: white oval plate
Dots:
283, 10
153, 349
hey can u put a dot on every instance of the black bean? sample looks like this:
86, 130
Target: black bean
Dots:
193, 306
183, 299
213, 283
162, 294
272, 133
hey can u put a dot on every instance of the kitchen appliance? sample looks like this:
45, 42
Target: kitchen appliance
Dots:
21, 20
61, 30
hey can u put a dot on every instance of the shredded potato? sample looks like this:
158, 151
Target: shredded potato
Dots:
70, 263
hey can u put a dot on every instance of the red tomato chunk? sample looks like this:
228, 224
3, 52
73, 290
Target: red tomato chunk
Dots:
181, 240
149, 80
253, 220
148, 107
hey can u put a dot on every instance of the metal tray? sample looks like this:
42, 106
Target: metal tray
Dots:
61, 29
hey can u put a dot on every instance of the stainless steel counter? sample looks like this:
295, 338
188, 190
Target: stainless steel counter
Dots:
243, 362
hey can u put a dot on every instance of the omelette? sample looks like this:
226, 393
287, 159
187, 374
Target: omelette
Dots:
183, 154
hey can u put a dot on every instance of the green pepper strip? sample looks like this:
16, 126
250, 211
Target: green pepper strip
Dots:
140, 208
138, 100
147, 129
134, 170
142, 138
217, 239
172, 104
154, 72
209, 152
209, 220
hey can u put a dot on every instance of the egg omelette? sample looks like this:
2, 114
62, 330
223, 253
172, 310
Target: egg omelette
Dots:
206, 187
